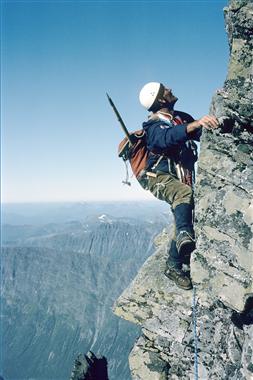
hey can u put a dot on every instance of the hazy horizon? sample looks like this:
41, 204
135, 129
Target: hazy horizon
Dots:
158, 202
38, 213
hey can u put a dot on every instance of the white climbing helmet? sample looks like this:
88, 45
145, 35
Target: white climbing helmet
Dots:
150, 93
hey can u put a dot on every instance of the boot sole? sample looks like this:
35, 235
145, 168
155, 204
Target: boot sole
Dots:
185, 250
189, 287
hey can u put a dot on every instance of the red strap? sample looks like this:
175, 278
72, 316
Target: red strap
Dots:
177, 120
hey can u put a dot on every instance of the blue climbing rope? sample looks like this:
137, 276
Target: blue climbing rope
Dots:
194, 320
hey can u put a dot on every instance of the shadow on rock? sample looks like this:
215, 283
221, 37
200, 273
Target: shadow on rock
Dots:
246, 317
89, 367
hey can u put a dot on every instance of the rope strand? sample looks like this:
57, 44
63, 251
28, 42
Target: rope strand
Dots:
194, 319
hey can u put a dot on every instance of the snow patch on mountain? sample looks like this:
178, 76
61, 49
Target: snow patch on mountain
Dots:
104, 219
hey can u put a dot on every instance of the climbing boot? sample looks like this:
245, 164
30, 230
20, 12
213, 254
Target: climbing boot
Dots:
185, 245
179, 277
184, 231
174, 259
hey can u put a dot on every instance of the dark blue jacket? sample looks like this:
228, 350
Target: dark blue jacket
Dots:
172, 141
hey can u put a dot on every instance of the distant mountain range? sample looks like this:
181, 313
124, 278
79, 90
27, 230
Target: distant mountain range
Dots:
43, 213
59, 281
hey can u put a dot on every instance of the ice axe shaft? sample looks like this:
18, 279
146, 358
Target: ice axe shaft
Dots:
123, 126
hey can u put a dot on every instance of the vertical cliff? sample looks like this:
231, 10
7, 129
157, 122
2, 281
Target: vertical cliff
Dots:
222, 265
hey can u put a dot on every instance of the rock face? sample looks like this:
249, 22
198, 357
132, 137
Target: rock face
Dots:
216, 319
224, 207
89, 367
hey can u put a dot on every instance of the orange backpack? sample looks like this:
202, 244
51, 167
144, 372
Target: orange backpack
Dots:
136, 152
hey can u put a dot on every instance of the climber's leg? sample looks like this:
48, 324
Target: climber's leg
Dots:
168, 188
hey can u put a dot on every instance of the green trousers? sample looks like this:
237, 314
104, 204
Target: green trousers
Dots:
168, 188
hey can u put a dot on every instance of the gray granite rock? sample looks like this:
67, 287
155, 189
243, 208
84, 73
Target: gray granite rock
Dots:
247, 353
223, 263
166, 348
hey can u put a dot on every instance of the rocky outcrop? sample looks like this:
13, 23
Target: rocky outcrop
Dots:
210, 334
89, 367
224, 207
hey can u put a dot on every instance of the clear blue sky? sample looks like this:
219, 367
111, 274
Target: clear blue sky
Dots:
59, 58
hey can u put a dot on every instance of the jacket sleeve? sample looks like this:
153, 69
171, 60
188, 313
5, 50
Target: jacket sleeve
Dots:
195, 135
160, 137
189, 119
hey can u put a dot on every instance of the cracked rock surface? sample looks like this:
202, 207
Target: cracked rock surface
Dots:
222, 264
224, 188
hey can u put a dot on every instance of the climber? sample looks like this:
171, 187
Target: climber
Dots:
169, 174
